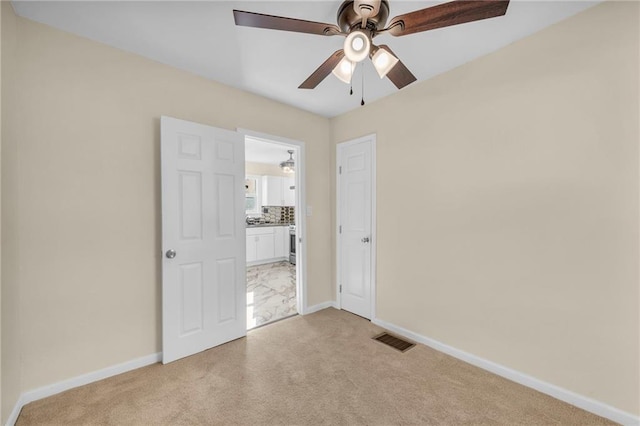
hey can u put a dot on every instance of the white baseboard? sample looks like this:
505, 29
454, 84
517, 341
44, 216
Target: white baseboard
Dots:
265, 261
586, 403
319, 307
13, 417
74, 382
49, 390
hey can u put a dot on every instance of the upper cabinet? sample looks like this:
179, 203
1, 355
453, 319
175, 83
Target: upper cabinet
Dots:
252, 187
272, 191
289, 191
278, 191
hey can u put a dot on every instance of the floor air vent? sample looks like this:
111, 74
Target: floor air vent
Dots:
394, 342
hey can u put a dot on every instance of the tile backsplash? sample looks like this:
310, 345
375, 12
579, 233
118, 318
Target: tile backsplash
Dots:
277, 214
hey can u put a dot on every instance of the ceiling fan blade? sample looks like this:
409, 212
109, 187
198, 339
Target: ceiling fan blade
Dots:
445, 15
323, 71
258, 20
399, 74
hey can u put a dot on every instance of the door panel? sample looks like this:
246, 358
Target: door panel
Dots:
355, 239
356, 256
357, 211
190, 197
226, 290
204, 285
191, 309
225, 187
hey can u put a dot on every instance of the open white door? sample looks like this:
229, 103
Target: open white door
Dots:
356, 231
203, 238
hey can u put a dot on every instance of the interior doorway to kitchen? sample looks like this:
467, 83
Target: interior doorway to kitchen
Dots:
274, 194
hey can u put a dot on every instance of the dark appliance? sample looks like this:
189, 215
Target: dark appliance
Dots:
292, 244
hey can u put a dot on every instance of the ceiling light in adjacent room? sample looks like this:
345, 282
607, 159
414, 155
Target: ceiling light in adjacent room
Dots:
288, 166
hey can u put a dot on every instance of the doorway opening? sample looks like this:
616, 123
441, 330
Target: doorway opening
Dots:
272, 202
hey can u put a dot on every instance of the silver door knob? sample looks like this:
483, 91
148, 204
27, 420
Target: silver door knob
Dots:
365, 240
170, 254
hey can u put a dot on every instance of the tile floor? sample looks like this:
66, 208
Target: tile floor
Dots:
271, 292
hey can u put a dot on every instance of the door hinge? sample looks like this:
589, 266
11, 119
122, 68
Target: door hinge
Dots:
340, 288
340, 229
339, 170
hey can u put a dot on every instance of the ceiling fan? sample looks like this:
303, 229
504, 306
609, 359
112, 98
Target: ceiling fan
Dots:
360, 21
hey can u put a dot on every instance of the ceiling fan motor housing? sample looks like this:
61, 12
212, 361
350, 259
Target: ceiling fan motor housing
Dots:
348, 19
366, 7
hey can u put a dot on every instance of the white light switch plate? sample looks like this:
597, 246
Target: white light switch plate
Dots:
309, 211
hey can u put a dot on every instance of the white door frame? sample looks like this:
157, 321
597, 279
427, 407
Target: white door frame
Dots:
300, 216
374, 240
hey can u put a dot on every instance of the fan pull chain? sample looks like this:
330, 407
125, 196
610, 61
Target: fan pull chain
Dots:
362, 100
351, 80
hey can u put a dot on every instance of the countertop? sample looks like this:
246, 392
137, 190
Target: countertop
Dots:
264, 225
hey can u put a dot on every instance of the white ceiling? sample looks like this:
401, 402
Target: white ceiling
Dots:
259, 151
200, 37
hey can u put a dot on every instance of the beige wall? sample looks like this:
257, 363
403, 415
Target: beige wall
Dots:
10, 330
1, 417
520, 169
262, 169
508, 205
89, 185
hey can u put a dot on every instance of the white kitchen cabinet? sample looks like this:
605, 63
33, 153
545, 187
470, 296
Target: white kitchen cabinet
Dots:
252, 248
289, 195
280, 240
272, 191
276, 191
267, 244
260, 244
265, 247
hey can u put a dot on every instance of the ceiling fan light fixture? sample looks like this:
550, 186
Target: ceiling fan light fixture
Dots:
383, 61
288, 166
344, 70
362, 20
357, 46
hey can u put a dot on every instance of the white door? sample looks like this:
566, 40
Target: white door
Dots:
355, 236
203, 238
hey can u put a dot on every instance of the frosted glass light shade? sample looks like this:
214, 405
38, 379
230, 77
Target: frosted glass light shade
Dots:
383, 61
344, 70
357, 46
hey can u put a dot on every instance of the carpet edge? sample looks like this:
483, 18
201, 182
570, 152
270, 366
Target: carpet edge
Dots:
588, 404
74, 382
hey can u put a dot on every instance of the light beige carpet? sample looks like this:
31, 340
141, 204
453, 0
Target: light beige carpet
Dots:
322, 368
